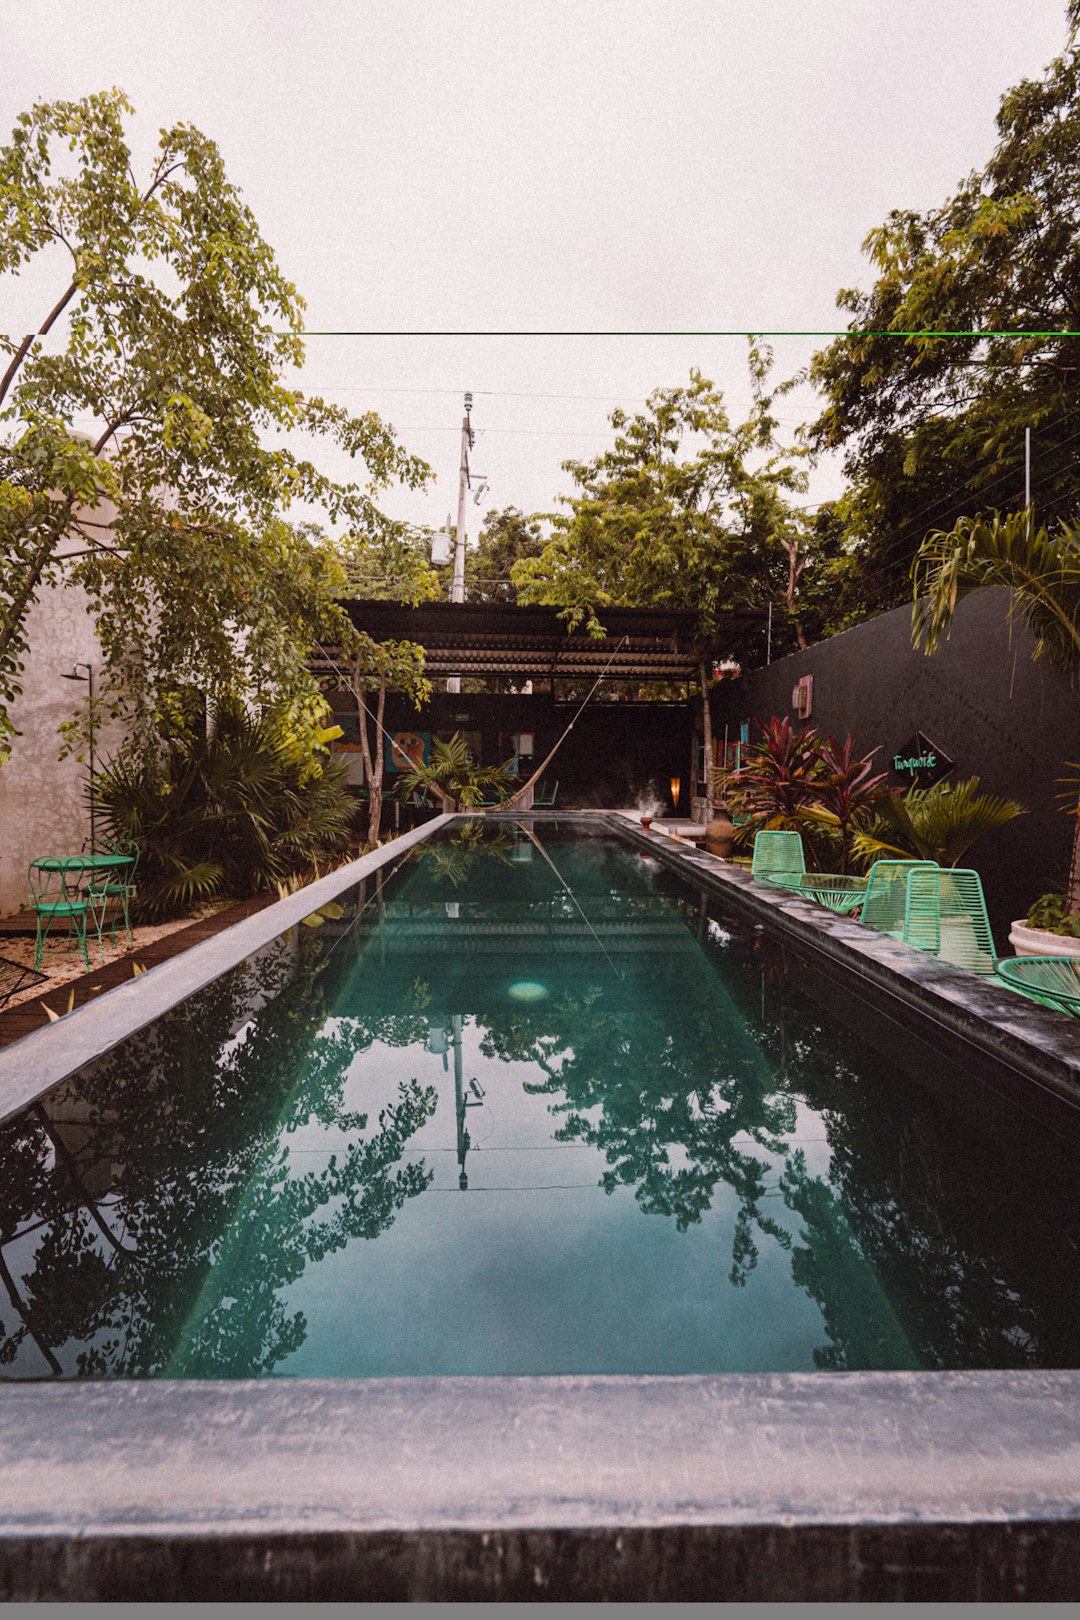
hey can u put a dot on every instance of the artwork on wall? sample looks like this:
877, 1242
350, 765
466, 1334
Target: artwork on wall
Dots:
405, 749
349, 741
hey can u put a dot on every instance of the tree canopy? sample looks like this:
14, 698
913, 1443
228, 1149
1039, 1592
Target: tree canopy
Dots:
507, 537
685, 509
932, 424
184, 507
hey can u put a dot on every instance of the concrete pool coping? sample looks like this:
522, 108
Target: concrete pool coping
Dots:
751, 1487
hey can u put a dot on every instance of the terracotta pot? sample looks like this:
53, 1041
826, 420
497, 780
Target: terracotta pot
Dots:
646, 822
720, 833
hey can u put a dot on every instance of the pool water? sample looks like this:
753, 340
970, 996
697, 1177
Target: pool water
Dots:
531, 1105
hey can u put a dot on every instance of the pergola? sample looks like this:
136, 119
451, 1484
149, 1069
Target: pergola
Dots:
466, 638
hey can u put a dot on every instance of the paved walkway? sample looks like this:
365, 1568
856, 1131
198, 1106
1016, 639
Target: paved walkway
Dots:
63, 998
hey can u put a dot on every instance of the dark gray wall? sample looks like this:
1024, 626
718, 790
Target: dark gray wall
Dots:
999, 716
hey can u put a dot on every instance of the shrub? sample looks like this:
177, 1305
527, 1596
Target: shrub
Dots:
230, 810
1051, 912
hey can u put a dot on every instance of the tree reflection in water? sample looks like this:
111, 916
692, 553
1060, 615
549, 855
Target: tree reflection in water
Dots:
154, 1216
152, 1213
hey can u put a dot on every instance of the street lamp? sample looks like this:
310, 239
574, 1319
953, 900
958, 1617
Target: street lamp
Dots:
73, 675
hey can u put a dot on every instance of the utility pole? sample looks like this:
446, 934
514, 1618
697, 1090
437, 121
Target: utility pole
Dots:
457, 589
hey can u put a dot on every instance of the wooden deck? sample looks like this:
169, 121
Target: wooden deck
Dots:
30, 1014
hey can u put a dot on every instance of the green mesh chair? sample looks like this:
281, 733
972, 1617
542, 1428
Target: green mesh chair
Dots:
945, 914
545, 793
837, 891
886, 894
777, 855
1053, 980
779, 860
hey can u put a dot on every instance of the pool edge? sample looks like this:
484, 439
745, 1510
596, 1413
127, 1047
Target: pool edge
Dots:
955, 1486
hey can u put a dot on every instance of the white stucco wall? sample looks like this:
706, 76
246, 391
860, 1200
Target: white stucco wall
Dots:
43, 808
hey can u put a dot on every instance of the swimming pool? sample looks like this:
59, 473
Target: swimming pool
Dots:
529, 1104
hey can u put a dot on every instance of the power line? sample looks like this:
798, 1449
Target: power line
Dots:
952, 500
741, 332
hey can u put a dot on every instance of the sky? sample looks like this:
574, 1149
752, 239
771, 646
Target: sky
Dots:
534, 202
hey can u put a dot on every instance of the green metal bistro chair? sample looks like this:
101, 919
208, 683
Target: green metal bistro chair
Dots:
886, 894
118, 890
945, 914
52, 901
777, 855
1053, 980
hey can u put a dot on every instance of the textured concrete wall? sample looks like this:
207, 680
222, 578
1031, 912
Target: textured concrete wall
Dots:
43, 808
998, 716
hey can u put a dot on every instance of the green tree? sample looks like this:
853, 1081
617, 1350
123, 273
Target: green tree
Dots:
932, 425
684, 510
391, 566
178, 329
225, 807
507, 537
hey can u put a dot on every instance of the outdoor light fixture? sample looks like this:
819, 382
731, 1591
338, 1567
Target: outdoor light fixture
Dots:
73, 675
676, 785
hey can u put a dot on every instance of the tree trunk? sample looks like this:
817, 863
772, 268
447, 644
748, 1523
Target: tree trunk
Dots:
795, 568
1074, 867
376, 778
707, 744
362, 726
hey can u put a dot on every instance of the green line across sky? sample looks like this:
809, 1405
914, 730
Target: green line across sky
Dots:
756, 332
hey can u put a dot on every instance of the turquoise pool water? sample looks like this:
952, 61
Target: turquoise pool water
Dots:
531, 1105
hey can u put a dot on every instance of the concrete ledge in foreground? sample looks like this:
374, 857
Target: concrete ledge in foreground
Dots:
758, 1487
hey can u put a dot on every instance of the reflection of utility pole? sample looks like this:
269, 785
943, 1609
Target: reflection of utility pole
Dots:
462, 1101
439, 1042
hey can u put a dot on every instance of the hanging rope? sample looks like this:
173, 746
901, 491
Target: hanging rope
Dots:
537, 774
531, 836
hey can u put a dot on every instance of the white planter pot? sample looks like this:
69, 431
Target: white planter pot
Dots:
1027, 941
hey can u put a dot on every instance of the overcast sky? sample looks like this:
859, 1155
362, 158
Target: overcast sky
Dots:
585, 166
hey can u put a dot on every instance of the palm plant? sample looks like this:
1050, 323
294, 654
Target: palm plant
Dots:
455, 776
1043, 572
231, 809
938, 823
